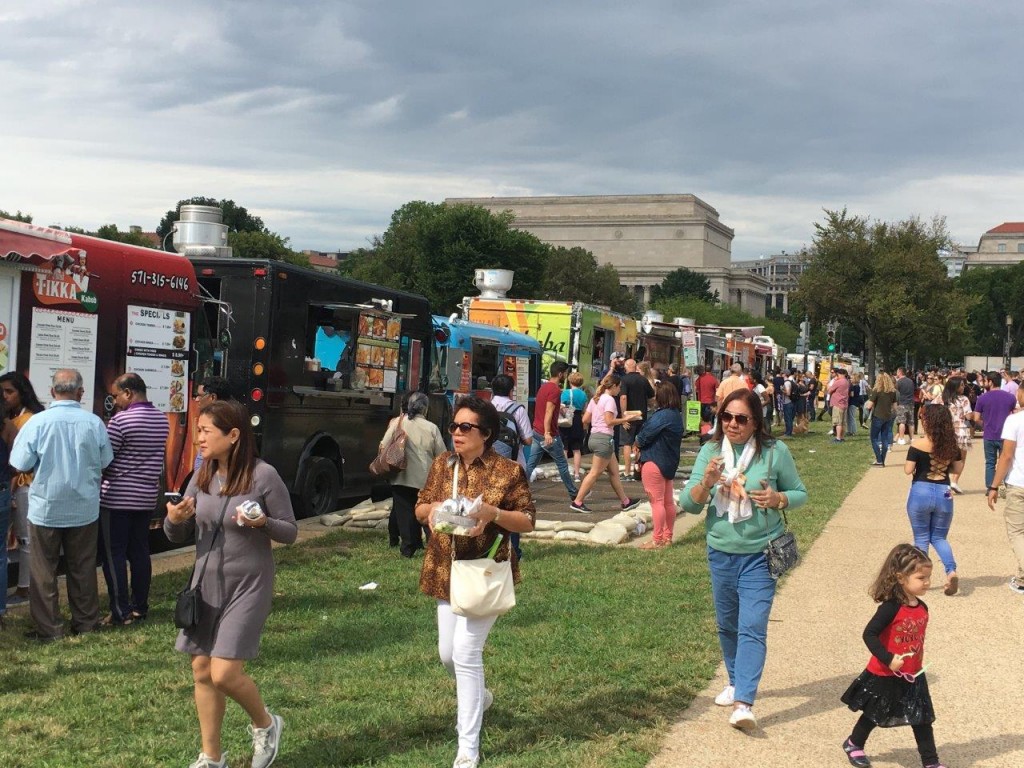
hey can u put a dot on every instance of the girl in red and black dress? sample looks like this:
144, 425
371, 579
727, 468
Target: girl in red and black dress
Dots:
893, 690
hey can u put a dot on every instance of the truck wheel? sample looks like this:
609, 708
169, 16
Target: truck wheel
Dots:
320, 487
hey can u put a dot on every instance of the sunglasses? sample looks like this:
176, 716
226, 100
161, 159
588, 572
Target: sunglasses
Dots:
462, 427
741, 418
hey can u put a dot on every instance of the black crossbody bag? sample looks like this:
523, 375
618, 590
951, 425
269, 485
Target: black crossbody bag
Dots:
188, 608
781, 552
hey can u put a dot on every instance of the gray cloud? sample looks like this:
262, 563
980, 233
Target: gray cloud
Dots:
328, 115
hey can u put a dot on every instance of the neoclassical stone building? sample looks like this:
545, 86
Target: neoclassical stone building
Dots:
643, 236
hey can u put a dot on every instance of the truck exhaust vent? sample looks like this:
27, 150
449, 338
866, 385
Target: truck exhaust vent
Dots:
493, 283
199, 232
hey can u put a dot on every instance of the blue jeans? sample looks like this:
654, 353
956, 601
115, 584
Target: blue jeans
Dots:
5, 522
556, 452
743, 591
930, 508
788, 410
851, 420
992, 450
881, 437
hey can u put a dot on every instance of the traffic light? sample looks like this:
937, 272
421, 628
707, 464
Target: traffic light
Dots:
831, 337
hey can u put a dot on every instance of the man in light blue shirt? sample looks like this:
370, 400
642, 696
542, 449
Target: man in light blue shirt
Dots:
67, 448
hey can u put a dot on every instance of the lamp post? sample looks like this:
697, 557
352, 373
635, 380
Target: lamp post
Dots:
1006, 350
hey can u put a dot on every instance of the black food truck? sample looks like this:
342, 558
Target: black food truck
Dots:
322, 363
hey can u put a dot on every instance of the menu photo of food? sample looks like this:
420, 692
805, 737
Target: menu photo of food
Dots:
179, 342
177, 368
394, 329
178, 402
361, 378
365, 325
375, 378
391, 357
380, 327
363, 354
179, 325
177, 386
377, 356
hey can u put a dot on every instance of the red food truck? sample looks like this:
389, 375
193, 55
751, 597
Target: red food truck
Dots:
102, 307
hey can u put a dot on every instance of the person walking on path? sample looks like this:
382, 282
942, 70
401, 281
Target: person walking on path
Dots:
749, 479
67, 448
472, 469
787, 402
905, 391
991, 412
660, 441
21, 404
959, 406
1010, 470
128, 495
600, 417
881, 404
574, 400
839, 401
546, 438
931, 459
635, 393
236, 575
893, 690
423, 443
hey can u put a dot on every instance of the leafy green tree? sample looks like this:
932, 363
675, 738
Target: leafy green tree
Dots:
572, 274
264, 245
111, 232
684, 283
433, 249
19, 216
237, 218
885, 280
999, 291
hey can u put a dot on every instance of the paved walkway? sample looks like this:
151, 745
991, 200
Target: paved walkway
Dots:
974, 645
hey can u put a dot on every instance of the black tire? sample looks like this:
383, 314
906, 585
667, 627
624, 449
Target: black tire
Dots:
320, 487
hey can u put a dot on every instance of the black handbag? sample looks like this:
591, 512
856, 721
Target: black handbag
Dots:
782, 553
188, 607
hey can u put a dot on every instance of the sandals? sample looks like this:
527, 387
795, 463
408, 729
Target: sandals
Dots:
856, 755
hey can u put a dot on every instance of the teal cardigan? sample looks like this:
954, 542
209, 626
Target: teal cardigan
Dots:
750, 536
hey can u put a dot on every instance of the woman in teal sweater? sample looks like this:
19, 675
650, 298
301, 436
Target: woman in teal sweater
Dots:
748, 478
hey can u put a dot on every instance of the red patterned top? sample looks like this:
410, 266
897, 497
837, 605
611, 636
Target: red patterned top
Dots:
896, 628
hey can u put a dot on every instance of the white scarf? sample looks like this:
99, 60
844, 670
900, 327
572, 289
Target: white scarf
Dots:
730, 496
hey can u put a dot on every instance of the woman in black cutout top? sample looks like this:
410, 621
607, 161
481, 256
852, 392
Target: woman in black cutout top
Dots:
930, 460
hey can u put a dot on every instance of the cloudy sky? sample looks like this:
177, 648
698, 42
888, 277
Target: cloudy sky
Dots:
323, 117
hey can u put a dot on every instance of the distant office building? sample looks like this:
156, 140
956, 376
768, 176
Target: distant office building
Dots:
782, 271
643, 236
325, 261
955, 259
1001, 246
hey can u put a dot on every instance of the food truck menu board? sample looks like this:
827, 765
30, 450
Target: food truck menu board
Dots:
62, 340
377, 351
158, 352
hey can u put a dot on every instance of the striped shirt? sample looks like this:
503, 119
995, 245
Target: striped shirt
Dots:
138, 435
68, 448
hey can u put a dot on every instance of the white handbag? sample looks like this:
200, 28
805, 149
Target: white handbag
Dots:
481, 588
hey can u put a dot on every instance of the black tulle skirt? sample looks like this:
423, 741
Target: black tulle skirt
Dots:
890, 701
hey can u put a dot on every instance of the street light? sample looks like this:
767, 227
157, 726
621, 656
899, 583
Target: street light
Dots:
1006, 351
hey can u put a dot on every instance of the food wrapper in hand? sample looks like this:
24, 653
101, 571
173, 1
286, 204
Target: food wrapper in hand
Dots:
453, 516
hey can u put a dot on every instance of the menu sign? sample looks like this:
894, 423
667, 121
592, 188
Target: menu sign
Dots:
377, 352
62, 340
158, 344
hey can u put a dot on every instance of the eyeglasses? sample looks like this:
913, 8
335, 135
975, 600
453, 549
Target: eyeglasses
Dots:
200, 395
741, 418
462, 427
911, 677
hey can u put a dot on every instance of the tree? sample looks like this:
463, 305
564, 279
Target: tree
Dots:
237, 218
885, 280
433, 249
572, 274
19, 216
264, 245
111, 232
999, 291
684, 283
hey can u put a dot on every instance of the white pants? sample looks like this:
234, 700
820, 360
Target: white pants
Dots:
19, 524
460, 643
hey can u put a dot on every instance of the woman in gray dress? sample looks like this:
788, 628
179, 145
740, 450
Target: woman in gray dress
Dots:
238, 582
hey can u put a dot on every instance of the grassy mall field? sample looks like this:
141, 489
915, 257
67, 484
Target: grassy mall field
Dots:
605, 647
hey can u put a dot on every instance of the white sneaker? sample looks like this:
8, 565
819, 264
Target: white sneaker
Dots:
466, 762
901, 441
205, 761
266, 742
488, 699
725, 698
743, 719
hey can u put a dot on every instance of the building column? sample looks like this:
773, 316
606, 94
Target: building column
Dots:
647, 296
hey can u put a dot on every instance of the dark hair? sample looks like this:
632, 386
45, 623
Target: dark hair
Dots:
227, 415
753, 402
952, 390
486, 414
132, 382
26, 393
502, 385
219, 387
902, 560
415, 404
558, 368
995, 378
938, 427
699, 370
667, 396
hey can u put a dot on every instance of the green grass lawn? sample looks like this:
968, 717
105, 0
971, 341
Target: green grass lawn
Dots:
606, 647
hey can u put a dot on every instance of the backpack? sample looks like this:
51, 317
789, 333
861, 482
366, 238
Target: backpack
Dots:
801, 388
508, 440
